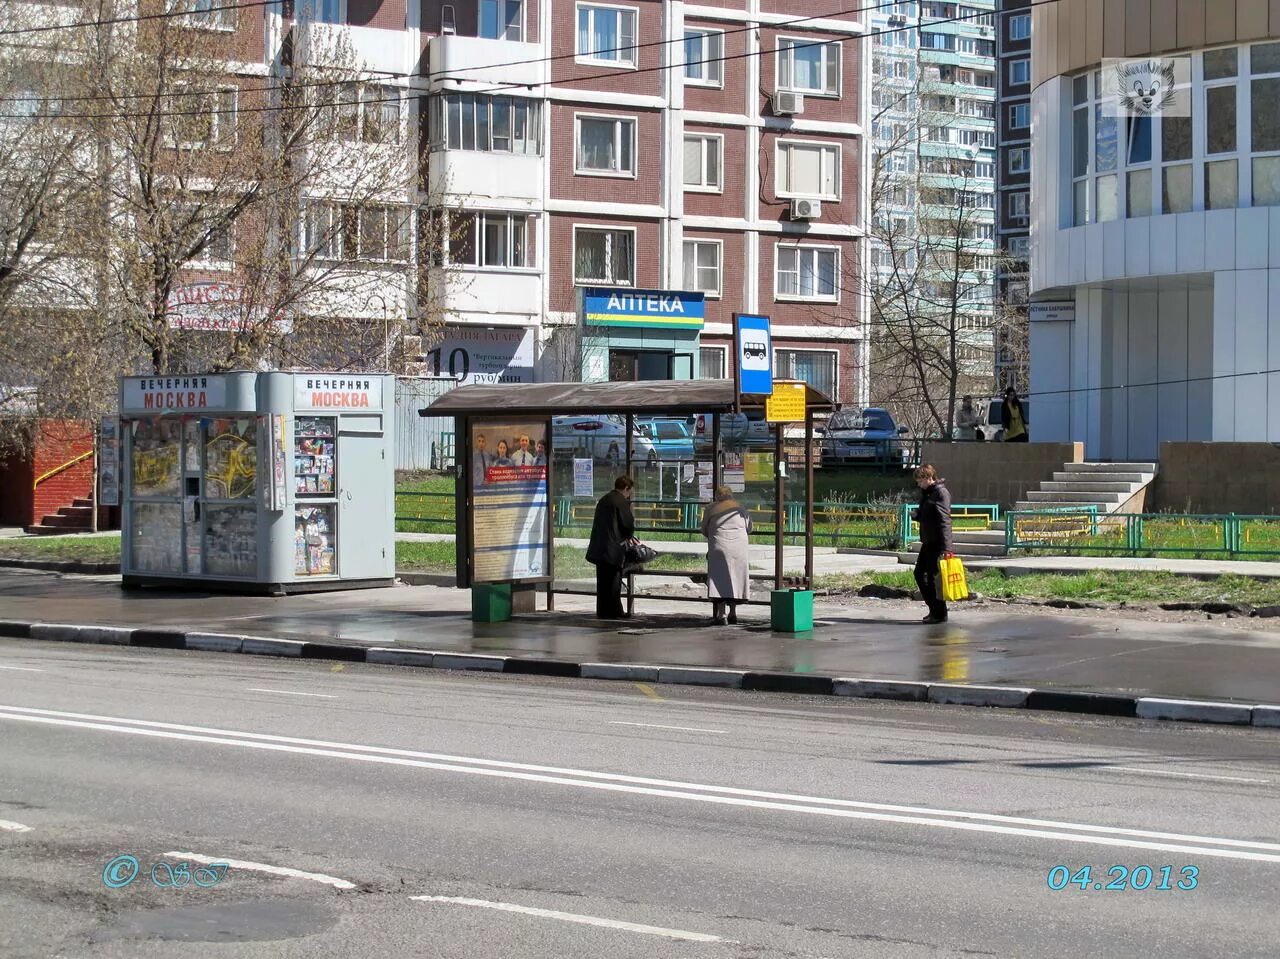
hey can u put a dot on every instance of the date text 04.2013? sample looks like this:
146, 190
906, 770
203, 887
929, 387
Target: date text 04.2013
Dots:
1119, 878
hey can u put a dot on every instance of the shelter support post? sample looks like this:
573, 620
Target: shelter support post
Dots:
716, 461
808, 499
779, 505
631, 442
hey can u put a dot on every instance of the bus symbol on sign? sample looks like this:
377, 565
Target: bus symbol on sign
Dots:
755, 350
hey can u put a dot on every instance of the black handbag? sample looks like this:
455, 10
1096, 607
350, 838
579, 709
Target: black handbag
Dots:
638, 554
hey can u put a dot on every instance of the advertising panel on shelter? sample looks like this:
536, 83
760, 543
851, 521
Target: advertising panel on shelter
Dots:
509, 479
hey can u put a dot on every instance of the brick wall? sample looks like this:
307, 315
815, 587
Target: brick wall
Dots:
1000, 473
575, 76
1217, 478
560, 254
58, 442
644, 187
383, 14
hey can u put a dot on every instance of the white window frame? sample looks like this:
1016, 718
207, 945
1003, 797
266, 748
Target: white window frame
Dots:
719, 246
580, 170
618, 58
524, 19
477, 218
1020, 26
835, 379
814, 249
712, 61
1023, 65
1024, 166
1018, 205
603, 281
1019, 108
784, 55
200, 17
186, 102
782, 168
705, 186
724, 359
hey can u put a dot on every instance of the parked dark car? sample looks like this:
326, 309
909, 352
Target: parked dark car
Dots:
863, 437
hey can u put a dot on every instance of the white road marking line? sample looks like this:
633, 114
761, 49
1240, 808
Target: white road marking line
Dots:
8, 826
574, 917
1182, 775
25, 669
687, 729
288, 692
264, 867
723, 795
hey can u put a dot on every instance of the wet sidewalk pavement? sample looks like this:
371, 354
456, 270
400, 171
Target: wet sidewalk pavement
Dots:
981, 644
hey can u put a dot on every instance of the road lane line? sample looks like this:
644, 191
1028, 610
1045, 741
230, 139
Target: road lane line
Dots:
288, 692
688, 729
649, 691
1182, 775
680, 934
9, 826
263, 867
728, 796
620, 778
25, 669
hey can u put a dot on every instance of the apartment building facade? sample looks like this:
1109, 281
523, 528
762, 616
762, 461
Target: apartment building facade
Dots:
1155, 278
1013, 188
658, 155
935, 137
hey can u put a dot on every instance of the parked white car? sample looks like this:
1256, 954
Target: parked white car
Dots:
594, 435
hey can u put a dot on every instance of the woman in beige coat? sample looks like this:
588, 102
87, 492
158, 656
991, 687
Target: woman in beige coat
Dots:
726, 524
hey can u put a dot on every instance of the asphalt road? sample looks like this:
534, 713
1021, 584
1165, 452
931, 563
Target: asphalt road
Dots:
487, 816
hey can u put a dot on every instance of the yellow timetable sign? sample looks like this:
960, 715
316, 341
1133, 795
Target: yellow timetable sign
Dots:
786, 405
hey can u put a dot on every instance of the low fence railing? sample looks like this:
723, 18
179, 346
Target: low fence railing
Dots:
964, 516
1213, 536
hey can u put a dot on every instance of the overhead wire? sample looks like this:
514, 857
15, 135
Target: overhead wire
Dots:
513, 85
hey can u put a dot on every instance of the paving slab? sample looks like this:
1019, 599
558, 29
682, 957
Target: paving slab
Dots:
994, 646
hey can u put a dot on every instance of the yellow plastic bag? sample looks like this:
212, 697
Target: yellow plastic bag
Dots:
951, 579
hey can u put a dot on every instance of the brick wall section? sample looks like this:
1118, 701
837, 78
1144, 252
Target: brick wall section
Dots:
848, 365
649, 27
560, 255
1000, 473
59, 442
645, 187
732, 201
732, 297
1217, 478
730, 97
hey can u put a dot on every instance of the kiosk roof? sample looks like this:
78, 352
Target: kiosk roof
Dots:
650, 397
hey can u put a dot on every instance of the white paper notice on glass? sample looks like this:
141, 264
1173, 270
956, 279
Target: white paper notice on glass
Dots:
584, 479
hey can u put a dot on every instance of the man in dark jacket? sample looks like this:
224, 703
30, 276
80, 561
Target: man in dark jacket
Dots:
934, 516
612, 527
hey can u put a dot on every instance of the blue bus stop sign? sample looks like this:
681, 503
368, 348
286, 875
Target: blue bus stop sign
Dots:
754, 345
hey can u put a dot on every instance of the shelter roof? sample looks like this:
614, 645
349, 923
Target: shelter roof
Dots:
647, 398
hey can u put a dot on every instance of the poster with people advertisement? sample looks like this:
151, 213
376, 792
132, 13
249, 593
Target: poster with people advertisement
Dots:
509, 462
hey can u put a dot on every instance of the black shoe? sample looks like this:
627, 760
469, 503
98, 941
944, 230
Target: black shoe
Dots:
733, 618
932, 620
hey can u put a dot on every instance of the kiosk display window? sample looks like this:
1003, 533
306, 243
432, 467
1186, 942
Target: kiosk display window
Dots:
231, 458
157, 456
156, 543
313, 541
314, 456
231, 540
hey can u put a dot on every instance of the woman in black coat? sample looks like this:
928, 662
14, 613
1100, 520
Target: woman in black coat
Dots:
611, 528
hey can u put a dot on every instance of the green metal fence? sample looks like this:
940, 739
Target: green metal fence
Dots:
964, 516
1188, 535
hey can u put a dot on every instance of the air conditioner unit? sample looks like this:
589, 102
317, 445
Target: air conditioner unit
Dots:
786, 103
448, 23
806, 209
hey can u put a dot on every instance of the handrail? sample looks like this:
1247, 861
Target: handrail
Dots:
61, 469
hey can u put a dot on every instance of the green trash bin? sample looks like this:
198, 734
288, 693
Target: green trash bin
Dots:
791, 610
490, 602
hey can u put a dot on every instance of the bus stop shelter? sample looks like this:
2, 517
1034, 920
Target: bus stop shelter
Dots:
505, 526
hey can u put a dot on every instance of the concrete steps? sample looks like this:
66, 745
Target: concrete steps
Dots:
1074, 496
77, 518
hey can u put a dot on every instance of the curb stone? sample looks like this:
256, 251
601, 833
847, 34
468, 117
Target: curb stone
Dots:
1012, 697
1193, 711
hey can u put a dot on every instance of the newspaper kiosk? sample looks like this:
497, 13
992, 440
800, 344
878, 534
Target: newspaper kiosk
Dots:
258, 482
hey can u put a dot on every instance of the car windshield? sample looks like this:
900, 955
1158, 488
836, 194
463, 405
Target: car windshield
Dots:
865, 420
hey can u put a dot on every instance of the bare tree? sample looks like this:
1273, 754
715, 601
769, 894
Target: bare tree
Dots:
929, 275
